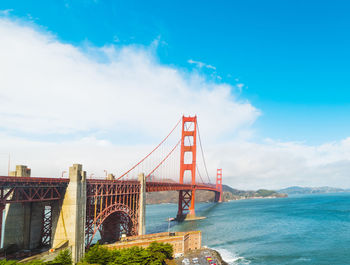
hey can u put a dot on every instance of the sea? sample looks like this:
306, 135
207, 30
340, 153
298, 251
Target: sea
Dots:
300, 229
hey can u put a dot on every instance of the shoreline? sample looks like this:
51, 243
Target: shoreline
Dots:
201, 254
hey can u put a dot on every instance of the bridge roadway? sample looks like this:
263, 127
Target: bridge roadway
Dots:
49, 211
33, 189
42, 209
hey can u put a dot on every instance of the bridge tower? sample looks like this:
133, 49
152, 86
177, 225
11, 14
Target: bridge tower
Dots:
186, 206
218, 195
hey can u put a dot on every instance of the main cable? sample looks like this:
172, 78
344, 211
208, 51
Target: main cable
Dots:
151, 151
164, 159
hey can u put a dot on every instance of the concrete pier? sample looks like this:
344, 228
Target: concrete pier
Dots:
22, 220
23, 224
142, 205
72, 214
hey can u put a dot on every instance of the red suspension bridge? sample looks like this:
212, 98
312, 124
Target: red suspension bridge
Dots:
106, 206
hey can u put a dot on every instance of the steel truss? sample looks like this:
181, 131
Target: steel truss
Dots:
46, 229
31, 189
104, 199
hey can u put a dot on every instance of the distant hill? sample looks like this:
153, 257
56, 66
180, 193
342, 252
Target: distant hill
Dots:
229, 194
311, 190
234, 194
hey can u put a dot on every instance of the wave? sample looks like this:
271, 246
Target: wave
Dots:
232, 258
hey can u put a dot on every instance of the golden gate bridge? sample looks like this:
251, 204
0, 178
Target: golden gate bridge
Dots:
108, 206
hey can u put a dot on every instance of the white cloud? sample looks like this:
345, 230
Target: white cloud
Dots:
51, 90
58, 89
275, 164
201, 64
60, 105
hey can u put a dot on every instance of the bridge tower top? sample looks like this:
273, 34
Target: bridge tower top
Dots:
219, 179
188, 145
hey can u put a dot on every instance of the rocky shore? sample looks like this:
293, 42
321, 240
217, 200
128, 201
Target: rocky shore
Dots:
201, 255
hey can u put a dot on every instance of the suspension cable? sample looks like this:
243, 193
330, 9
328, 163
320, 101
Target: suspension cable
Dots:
151, 151
172, 150
200, 142
199, 174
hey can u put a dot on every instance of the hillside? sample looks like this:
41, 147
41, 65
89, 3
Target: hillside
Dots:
208, 196
234, 194
311, 190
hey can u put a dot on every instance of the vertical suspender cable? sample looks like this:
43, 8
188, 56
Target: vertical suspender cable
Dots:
200, 143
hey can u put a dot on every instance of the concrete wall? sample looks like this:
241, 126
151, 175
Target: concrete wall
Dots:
182, 242
36, 224
142, 205
21, 171
23, 221
70, 223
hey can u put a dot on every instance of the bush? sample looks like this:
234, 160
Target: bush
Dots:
7, 262
265, 193
63, 258
134, 255
35, 262
165, 249
99, 255
155, 254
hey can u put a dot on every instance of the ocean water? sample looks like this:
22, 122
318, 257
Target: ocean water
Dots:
307, 229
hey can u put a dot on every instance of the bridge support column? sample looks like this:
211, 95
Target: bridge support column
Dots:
72, 215
22, 223
186, 207
142, 206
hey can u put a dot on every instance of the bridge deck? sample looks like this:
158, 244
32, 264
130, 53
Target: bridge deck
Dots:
9, 181
151, 186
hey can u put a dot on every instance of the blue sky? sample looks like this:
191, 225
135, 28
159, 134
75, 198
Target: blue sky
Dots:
269, 80
292, 56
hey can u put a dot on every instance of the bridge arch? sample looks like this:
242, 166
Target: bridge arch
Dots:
111, 222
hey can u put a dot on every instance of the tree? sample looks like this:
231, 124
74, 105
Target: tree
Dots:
99, 255
63, 258
155, 254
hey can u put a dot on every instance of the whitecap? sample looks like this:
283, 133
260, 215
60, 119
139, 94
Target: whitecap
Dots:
231, 258
303, 259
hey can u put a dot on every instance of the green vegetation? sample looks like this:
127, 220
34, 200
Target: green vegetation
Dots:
155, 254
265, 193
63, 258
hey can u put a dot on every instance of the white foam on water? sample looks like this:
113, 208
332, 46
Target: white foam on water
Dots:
303, 259
231, 258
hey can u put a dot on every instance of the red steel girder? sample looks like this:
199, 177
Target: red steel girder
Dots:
6, 181
107, 197
167, 186
29, 194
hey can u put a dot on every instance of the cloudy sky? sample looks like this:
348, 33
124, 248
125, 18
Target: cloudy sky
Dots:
102, 82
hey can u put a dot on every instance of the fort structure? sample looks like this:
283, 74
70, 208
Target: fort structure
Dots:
182, 242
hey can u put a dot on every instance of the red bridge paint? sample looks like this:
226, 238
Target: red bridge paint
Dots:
108, 200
